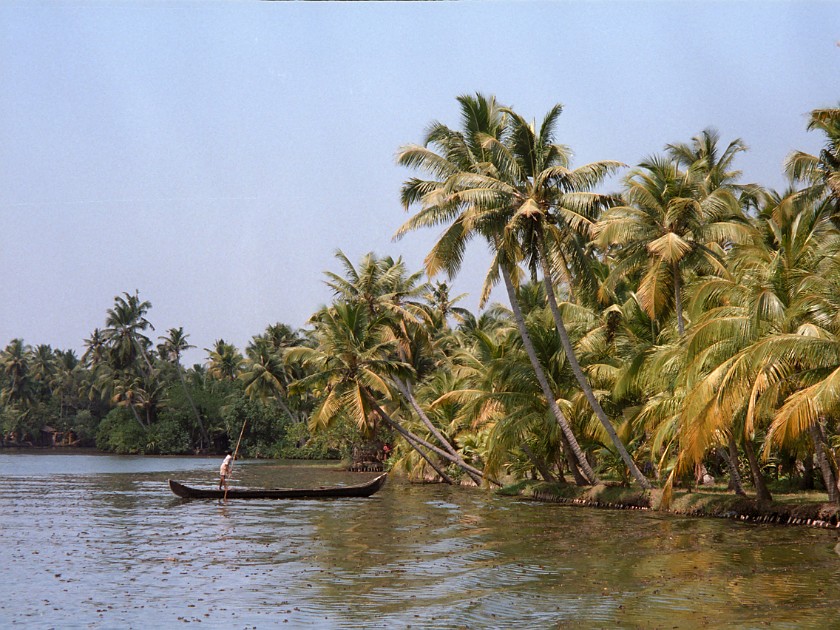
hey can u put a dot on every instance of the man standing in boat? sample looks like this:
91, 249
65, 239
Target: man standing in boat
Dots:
224, 470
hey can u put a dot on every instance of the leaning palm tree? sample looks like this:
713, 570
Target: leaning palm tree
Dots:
386, 289
552, 208
499, 395
351, 367
465, 193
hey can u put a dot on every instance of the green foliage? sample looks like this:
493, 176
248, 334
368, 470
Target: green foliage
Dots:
84, 424
120, 433
265, 427
334, 443
169, 436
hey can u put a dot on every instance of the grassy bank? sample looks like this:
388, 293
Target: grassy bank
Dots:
786, 509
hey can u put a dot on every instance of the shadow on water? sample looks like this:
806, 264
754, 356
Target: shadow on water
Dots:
115, 548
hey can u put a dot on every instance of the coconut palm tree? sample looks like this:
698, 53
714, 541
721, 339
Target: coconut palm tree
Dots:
821, 172
125, 324
352, 367
670, 225
265, 374
172, 346
705, 163
225, 361
551, 210
757, 329
387, 290
17, 389
500, 395
467, 194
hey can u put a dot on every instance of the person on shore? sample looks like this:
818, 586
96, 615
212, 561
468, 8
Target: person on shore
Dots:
225, 469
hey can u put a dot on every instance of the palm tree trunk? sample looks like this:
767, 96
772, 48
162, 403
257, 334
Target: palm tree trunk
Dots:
538, 463
581, 377
142, 350
543, 381
204, 435
136, 415
415, 440
678, 300
405, 390
761, 490
829, 478
732, 461
446, 478
571, 462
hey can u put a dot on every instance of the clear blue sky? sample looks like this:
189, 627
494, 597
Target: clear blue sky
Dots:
213, 156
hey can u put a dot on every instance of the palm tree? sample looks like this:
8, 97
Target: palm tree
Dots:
123, 334
387, 290
758, 328
265, 375
470, 194
96, 347
67, 379
704, 161
128, 392
43, 366
382, 284
822, 172
172, 346
351, 367
670, 225
500, 395
225, 361
551, 207
16, 386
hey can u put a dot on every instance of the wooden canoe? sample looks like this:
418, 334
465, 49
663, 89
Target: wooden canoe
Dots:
323, 492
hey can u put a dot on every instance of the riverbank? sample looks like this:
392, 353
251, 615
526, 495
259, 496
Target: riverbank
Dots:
788, 509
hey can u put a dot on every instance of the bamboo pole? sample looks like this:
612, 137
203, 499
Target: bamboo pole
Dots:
235, 452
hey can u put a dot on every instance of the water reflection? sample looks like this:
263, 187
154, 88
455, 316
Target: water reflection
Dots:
88, 547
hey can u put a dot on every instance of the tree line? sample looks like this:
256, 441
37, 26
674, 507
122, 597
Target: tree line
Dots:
684, 325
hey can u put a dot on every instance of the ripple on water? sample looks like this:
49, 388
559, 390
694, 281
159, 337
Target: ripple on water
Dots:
115, 549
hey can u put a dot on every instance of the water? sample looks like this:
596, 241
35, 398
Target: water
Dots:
100, 542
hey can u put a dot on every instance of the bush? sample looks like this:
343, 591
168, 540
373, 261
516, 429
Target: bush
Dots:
120, 433
168, 436
85, 426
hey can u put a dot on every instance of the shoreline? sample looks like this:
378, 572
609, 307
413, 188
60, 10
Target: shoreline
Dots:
822, 515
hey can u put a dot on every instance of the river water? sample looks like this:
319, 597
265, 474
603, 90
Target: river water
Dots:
94, 541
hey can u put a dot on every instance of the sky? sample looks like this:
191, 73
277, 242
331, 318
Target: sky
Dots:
214, 156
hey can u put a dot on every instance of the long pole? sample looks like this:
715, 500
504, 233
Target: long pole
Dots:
235, 452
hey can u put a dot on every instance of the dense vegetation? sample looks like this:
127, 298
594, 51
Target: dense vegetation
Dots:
686, 325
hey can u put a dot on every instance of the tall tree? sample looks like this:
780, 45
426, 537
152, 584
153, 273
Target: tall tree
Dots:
17, 387
225, 361
468, 193
125, 324
550, 206
821, 172
172, 346
670, 225
351, 367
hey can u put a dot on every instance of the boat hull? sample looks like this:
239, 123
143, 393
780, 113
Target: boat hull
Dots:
331, 492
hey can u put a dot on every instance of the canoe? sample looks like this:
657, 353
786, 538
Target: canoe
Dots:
322, 492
